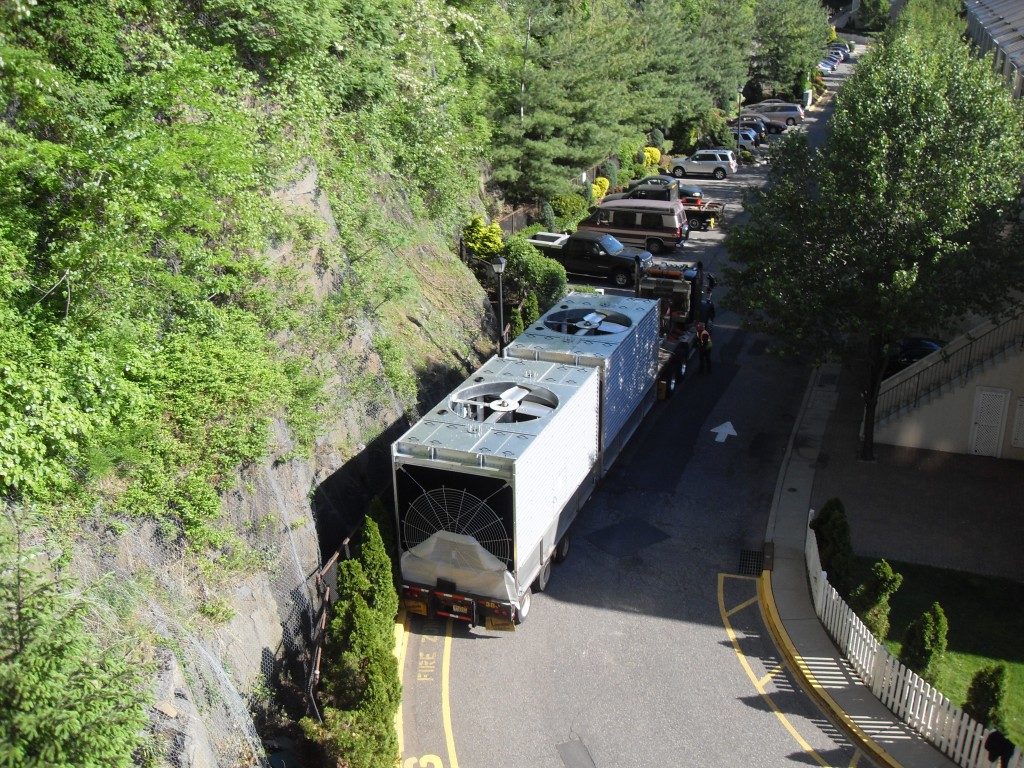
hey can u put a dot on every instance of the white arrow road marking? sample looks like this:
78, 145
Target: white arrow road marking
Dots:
723, 432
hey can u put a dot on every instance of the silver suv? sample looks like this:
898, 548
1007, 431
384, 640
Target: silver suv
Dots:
708, 162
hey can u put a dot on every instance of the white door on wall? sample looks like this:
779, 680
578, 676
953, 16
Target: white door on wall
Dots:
989, 418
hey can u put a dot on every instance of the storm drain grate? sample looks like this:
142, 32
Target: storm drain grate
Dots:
751, 562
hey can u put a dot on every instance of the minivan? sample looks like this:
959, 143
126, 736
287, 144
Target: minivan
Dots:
790, 113
657, 225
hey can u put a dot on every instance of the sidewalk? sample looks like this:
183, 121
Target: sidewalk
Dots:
809, 651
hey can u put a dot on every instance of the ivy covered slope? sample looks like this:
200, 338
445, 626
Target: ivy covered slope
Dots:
162, 295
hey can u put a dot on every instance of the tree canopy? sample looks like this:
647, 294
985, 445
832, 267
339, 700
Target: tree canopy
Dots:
902, 222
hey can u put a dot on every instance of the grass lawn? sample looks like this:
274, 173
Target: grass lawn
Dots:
986, 625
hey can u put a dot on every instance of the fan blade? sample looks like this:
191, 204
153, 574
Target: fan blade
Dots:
593, 318
514, 394
607, 327
537, 410
584, 331
495, 417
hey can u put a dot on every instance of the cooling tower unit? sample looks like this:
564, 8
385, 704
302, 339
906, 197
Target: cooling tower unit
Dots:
618, 335
487, 482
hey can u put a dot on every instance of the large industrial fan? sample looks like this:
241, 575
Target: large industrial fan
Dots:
458, 511
497, 402
587, 321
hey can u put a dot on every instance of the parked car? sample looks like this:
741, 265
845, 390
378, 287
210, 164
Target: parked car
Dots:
791, 114
745, 138
655, 225
594, 254
842, 50
661, 178
754, 124
825, 68
770, 125
835, 59
906, 351
707, 162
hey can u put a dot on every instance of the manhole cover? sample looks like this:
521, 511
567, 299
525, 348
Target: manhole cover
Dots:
626, 537
751, 562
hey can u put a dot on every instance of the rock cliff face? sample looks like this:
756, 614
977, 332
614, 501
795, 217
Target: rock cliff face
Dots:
219, 640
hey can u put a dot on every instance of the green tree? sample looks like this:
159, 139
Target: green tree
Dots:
985, 696
870, 600
379, 571
788, 40
900, 223
873, 14
924, 643
70, 696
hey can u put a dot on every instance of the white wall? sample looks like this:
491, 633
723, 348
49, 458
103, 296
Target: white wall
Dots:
944, 423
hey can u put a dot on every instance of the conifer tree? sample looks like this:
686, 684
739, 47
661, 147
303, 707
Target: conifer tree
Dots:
66, 696
871, 599
924, 643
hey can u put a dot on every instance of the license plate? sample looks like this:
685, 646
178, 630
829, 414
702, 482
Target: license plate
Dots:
418, 607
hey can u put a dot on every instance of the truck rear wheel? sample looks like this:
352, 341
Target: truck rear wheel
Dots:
621, 278
543, 577
524, 607
562, 549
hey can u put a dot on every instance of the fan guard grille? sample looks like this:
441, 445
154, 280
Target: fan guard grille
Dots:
587, 321
457, 511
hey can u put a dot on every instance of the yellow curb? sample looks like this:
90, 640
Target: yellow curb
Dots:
811, 686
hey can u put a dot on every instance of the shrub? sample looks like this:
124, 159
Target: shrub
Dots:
569, 209
832, 532
985, 696
528, 271
656, 139
924, 643
652, 157
871, 599
531, 309
547, 215
629, 166
515, 324
746, 156
610, 171
601, 184
482, 240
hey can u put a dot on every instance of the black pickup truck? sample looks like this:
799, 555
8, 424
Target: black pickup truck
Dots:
593, 254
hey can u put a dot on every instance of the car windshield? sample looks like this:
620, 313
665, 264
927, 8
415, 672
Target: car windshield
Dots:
611, 245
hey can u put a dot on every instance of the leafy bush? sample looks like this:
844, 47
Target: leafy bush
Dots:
570, 210
601, 185
528, 271
832, 532
745, 155
985, 696
924, 643
652, 158
870, 600
484, 241
656, 139
631, 160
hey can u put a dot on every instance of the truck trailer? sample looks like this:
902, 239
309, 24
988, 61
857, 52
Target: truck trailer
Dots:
489, 481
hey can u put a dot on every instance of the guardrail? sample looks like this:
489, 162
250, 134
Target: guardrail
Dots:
955, 362
914, 701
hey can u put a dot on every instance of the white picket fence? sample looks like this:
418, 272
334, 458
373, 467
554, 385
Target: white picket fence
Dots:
909, 697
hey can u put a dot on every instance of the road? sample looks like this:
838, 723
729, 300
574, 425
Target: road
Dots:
648, 647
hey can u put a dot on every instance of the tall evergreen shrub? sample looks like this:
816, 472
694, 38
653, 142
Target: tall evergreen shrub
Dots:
985, 696
924, 643
832, 533
870, 600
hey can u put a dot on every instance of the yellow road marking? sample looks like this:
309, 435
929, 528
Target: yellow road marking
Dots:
741, 606
771, 673
753, 678
401, 646
446, 712
856, 758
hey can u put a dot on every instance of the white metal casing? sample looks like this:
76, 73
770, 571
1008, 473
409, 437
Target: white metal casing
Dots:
628, 361
548, 462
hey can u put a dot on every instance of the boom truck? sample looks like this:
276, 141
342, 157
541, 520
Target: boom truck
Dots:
488, 482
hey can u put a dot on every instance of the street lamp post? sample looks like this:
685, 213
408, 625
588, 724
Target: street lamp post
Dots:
498, 265
739, 100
